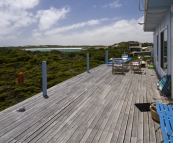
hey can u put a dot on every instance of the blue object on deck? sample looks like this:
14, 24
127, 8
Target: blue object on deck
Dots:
128, 59
108, 63
120, 61
164, 85
166, 121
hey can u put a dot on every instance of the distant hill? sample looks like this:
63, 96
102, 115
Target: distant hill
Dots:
121, 44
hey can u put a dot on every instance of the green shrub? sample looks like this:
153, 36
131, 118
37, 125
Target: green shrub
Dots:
60, 67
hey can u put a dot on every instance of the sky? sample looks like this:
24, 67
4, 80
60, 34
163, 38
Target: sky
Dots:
71, 22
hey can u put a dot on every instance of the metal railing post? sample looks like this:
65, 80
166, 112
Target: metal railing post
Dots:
106, 57
44, 79
87, 59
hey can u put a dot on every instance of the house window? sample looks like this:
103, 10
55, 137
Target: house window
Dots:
163, 53
134, 44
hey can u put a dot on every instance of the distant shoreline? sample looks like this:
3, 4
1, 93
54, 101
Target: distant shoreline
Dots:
69, 49
51, 48
56, 46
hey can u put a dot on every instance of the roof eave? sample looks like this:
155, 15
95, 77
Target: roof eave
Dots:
154, 13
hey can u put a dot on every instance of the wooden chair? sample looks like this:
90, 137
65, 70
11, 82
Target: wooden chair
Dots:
136, 66
117, 67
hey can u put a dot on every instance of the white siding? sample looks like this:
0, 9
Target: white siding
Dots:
165, 23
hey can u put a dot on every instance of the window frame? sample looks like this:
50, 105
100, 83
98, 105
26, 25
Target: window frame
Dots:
157, 48
162, 47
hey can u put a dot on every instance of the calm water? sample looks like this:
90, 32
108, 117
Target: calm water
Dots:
59, 49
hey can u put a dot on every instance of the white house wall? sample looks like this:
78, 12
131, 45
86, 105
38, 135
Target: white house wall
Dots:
165, 23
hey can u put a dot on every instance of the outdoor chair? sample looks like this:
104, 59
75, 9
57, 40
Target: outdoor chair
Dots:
117, 67
165, 113
136, 66
164, 85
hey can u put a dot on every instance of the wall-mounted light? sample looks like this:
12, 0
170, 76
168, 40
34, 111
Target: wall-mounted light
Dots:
140, 23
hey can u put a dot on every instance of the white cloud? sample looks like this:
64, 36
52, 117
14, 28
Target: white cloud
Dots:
74, 26
104, 19
122, 30
11, 37
36, 34
50, 17
93, 22
24, 19
18, 4
115, 4
14, 14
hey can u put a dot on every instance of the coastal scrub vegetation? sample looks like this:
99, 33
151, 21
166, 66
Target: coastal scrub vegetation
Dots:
60, 67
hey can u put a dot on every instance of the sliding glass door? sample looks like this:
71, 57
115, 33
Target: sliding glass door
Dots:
163, 52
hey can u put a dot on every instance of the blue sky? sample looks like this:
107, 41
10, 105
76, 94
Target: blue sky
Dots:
67, 22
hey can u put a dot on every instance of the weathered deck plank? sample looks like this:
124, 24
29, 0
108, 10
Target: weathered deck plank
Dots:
91, 107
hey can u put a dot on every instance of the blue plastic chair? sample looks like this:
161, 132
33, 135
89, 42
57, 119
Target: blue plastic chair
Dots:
166, 121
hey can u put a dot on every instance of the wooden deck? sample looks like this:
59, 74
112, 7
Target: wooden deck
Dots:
89, 108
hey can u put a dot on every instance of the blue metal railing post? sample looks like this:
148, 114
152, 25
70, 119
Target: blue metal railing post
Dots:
106, 57
44, 79
87, 59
